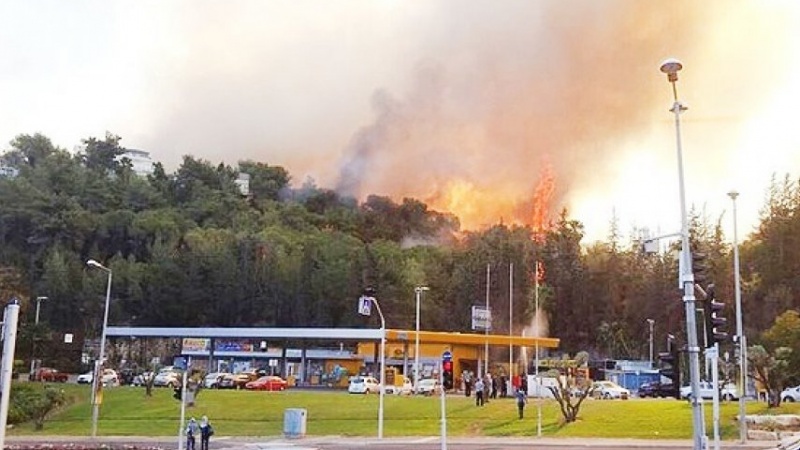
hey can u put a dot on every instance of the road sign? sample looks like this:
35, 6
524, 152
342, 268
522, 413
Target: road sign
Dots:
365, 305
447, 356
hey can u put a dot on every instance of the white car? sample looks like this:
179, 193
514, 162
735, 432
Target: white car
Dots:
168, 378
211, 380
86, 378
608, 390
791, 394
727, 392
363, 385
429, 386
109, 378
142, 379
406, 389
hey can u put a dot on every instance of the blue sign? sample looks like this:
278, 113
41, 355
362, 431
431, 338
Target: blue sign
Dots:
447, 356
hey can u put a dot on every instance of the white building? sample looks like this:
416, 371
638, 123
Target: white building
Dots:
141, 161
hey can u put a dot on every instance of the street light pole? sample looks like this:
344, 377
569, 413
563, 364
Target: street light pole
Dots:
739, 326
98, 374
33, 344
651, 322
418, 291
363, 308
686, 277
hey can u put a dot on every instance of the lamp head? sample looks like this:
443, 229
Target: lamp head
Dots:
733, 195
97, 265
42, 298
671, 67
422, 288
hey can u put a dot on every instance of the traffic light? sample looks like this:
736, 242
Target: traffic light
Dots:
670, 363
699, 267
715, 322
447, 374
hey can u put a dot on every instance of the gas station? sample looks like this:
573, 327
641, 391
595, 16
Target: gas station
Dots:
298, 355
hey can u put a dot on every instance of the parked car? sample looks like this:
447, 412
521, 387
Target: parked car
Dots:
727, 392
211, 380
791, 394
363, 385
608, 390
85, 378
48, 374
236, 380
109, 378
429, 386
656, 389
168, 378
268, 383
405, 389
142, 379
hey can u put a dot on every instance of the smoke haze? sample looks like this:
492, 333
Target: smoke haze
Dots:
462, 105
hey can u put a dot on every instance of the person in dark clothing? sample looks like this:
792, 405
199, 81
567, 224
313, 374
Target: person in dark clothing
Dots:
479, 400
494, 387
206, 431
522, 400
504, 386
467, 384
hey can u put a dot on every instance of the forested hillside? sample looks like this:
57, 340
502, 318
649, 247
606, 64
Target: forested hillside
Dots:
187, 249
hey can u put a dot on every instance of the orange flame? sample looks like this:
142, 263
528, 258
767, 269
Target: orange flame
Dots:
542, 196
475, 207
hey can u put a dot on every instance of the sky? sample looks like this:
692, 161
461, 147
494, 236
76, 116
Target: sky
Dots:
465, 105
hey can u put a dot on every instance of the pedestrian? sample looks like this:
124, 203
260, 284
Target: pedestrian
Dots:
504, 386
206, 431
478, 392
522, 400
467, 384
494, 387
191, 432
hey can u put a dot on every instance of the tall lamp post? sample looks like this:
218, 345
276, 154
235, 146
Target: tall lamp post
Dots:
671, 67
739, 326
651, 322
364, 309
98, 365
418, 291
33, 344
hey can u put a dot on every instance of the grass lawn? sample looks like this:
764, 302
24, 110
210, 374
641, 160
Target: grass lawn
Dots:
126, 411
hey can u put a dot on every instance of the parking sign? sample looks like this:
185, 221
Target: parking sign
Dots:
365, 305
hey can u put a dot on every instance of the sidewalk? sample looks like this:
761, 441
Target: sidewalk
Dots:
312, 442
256, 443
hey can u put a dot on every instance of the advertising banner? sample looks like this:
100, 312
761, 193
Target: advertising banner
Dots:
196, 345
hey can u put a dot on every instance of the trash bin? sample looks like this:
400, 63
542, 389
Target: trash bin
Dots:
294, 422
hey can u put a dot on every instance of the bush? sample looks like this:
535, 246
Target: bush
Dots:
32, 402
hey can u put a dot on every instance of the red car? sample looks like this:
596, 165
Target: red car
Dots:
269, 383
51, 375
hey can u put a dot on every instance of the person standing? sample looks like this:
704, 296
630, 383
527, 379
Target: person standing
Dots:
478, 392
494, 388
206, 431
467, 384
191, 432
522, 400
